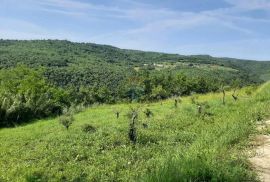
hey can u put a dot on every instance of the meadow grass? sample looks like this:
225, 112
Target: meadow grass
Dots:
179, 144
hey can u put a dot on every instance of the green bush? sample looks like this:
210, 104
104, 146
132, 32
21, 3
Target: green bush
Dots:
36, 177
66, 120
87, 128
26, 95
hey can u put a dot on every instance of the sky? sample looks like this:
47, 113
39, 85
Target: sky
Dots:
222, 28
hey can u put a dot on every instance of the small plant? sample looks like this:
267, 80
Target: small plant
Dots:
199, 109
133, 130
145, 125
131, 111
248, 92
193, 99
117, 113
223, 90
75, 109
224, 95
148, 113
175, 103
202, 109
66, 120
36, 176
235, 98
87, 128
235, 85
258, 116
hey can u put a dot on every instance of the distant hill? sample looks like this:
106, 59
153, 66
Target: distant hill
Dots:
51, 75
72, 60
57, 53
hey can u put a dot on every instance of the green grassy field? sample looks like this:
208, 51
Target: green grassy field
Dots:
179, 144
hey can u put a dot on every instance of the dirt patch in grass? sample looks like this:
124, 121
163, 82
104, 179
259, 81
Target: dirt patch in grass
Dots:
261, 157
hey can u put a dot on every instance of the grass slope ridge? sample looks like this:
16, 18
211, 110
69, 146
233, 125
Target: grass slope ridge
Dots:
179, 144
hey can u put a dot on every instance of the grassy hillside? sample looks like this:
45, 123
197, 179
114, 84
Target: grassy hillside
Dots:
179, 143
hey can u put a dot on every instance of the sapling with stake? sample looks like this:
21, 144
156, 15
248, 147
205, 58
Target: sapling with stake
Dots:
132, 128
132, 134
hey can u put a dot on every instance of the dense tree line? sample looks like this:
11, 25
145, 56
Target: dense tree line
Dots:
26, 95
59, 74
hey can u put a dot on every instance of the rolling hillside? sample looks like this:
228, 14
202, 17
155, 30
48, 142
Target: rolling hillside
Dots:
59, 55
174, 144
170, 117
41, 78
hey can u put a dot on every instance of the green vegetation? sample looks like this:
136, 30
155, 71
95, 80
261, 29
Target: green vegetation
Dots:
64, 74
149, 134
25, 95
178, 144
66, 120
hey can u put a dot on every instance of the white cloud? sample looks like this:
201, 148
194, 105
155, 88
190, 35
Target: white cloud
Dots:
183, 21
250, 4
66, 4
155, 19
148, 22
71, 5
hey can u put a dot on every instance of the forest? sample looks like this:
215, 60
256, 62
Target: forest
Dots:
41, 78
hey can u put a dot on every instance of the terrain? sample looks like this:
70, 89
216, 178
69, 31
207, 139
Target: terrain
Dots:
75, 60
87, 112
87, 74
261, 156
179, 142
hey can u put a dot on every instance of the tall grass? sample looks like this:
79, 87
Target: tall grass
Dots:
178, 145
217, 155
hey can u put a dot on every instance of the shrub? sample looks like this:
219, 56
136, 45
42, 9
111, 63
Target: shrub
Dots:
203, 109
145, 125
87, 128
26, 95
193, 99
258, 115
36, 176
148, 113
66, 120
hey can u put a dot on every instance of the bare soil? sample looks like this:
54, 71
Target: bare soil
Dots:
261, 156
